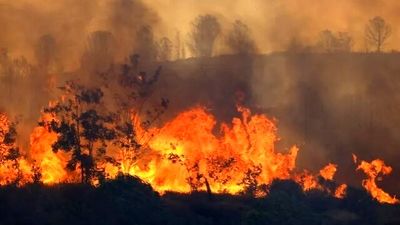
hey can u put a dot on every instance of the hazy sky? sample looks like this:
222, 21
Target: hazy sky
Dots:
274, 23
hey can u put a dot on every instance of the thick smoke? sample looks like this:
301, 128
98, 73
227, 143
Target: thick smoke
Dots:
275, 24
44, 43
70, 22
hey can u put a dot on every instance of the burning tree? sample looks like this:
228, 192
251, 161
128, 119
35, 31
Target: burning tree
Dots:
13, 169
83, 128
8, 151
135, 89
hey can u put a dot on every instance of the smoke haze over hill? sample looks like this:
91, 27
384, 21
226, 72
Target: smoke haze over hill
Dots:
275, 24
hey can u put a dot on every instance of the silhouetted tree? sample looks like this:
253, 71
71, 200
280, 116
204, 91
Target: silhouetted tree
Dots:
330, 42
326, 40
205, 30
82, 126
99, 52
46, 52
377, 33
146, 47
239, 39
178, 46
165, 48
344, 42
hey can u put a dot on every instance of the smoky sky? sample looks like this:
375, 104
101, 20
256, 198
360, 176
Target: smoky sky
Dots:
70, 22
274, 23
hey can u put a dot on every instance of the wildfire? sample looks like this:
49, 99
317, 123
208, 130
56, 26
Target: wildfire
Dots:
185, 154
328, 171
340, 191
52, 165
13, 170
309, 181
190, 152
373, 170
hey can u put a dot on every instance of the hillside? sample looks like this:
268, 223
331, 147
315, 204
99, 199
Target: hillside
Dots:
330, 105
130, 201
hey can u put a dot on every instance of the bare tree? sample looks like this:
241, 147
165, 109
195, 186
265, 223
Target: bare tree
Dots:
377, 33
205, 30
240, 40
164, 49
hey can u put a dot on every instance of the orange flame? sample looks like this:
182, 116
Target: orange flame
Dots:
189, 153
328, 172
340, 191
307, 180
185, 154
372, 170
12, 169
52, 165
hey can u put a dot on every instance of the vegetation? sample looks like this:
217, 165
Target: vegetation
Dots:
81, 129
127, 200
377, 33
205, 30
330, 42
165, 48
146, 47
99, 52
240, 40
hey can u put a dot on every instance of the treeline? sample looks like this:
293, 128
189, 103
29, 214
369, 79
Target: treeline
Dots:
205, 33
127, 200
376, 35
